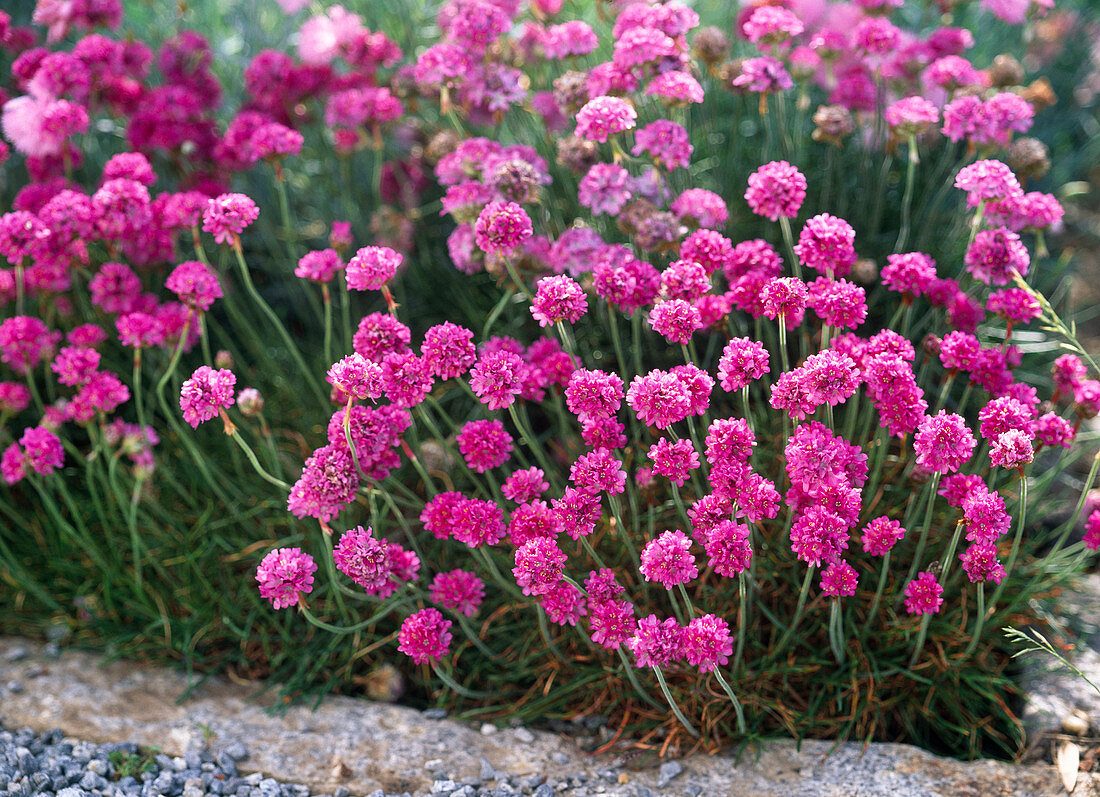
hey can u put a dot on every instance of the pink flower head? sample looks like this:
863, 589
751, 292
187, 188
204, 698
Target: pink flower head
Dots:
666, 142
880, 535
771, 25
226, 216
524, 485
16, 397
605, 188
122, 209
205, 393
21, 234
459, 590
912, 116
598, 471
728, 547
539, 564
138, 330
676, 320
819, 536
1068, 372
448, 350
981, 564
497, 378
195, 285
827, 244
659, 399
593, 394
776, 189
742, 361
668, 559
605, 116
674, 460
698, 206
839, 303
839, 580
1092, 531
319, 266
42, 451
684, 279
558, 298
74, 365
786, 297
764, 74
425, 636
943, 443
996, 255
379, 334
655, 642
910, 273
1053, 430
985, 516
405, 380
675, 88
611, 622
357, 377
987, 179
286, 574
707, 642
708, 248
371, 268
501, 227
484, 444
1012, 449
25, 341
923, 595
363, 558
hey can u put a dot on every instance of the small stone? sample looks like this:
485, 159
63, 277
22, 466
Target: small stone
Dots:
433, 763
544, 790
52, 650
18, 653
98, 766
253, 779
693, 790
1076, 724
72, 791
488, 729
488, 772
558, 757
14, 687
237, 751
524, 735
668, 771
192, 759
340, 791
227, 763
443, 786
608, 774
435, 713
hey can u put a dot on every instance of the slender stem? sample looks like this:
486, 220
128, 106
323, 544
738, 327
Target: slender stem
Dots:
788, 240
872, 613
934, 484
741, 619
979, 622
907, 198
248, 452
452, 684
672, 703
836, 631
741, 727
1020, 520
803, 593
921, 636
327, 299
628, 668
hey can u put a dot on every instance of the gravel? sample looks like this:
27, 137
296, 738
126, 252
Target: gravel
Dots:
51, 764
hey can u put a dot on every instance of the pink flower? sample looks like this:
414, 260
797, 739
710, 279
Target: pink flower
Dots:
674, 460
655, 642
742, 361
497, 378
286, 574
205, 393
996, 255
363, 558
610, 622
42, 450
827, 243
74, 365
524, 485
923, 595
226, 216
477, 522
1012, 449
319, 266
676, 320
1092, 531
666, 142
912, 116
593, 394
786, 297
943, 443
605, 188
558, 298
501, 227
659, 399
771, 25
598, 471
425, 636
839, 580
839, 303
195, 285
578, 510
448, 350
371, 268
357, 377
405, 379
987, 179
819, 536
707, 642
668, 559
605, 116
698, 206
458, 590
563, 604
776, 189
880, 535
910, 273
484, 444
985, 516
764, 74
981, 564
539, 565
728, 547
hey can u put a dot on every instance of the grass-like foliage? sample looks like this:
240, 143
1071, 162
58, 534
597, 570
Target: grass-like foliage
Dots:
710, 374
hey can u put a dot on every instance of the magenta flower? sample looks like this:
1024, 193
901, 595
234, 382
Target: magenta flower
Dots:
728, 547
923, 595
839, 580
981, 564
286, 574
666, 142
610, 622
558, 298
598, 471
668, 559
524, 485
776, 189
405, 379
912, 116
996, 255
563, 604
448, 350
501, 227
763, 75
911, 273
827, 244
539, 564
226, 216
984, 515
357, 377
698, 206
319, 266
676, 320
943, 443
371, 268
484, 444
363, 558
195, 285
659, 399
458, 590
674, 460
707, 642
880, 535
606, 188
327, 484
497, 378
819, 536
1092, 531
25, 341
1012, 449
655, 642
425, 636
604, 116
742, 361
74, 365
987, 179
42, 451
593, 394
684, 279
205, 393
578, 510
771, 25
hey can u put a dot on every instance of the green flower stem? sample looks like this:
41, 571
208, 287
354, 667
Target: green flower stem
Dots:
742, 728
289, 229
278, 325
592, 552
628, 668
135, 538
746, 410
782, 321
566, 338
326, 299
945, 391
456, 687
345, 312
922, 541
921, 636
949, 557
621, 532
498, 308
979, 622
672, 703
788, 240
680, 505
836, 631
533, 444
872, 613
687, 601
1020, 520
256, 466
800, 608
907, 198
387, 610
741, 621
